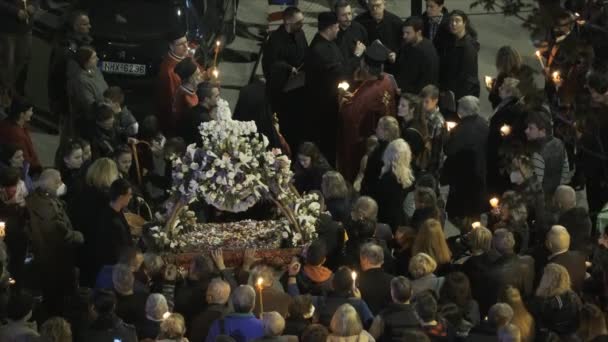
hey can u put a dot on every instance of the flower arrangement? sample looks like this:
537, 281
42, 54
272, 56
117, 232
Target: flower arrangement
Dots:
232, 170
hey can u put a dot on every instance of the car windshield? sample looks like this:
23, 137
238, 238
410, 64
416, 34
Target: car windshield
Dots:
137, 19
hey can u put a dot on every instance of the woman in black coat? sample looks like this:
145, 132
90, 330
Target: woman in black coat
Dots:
458, 58
509, 64
309, 168
396, 179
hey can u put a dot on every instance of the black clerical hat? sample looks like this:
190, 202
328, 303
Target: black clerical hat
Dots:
326, 19
376, 53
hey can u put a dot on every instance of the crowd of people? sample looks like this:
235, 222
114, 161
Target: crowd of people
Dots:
380, 116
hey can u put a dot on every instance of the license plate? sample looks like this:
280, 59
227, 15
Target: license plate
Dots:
123, 68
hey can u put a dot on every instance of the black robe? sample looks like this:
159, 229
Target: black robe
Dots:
389, 31
324, 68
347, 41
192, 119
112, 236
458, 67
417, 66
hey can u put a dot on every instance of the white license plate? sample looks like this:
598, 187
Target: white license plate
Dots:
123, 68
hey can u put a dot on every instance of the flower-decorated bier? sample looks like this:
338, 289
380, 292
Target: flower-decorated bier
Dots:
232, 170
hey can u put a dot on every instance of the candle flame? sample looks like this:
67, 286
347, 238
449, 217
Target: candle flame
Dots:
450, 125
505, 130
215, 73
494, 202
166, 315
343, 85
476, 225
260, 282
217, 43
537, 53
354, 275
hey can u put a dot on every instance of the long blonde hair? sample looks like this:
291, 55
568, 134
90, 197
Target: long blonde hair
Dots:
102, 173
521, 316
346, 321
397, 158
431, 240
555, 281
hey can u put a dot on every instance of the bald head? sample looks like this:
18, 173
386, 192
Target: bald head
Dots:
218, 292
50, 180
558, 239
565, 197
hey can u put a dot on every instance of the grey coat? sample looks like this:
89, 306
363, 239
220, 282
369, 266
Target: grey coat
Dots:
85, 88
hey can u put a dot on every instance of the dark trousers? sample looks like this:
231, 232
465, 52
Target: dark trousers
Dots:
14, 55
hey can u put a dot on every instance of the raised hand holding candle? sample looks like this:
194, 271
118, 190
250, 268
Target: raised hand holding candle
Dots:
260, 286
343, 86
450, 125
540, 59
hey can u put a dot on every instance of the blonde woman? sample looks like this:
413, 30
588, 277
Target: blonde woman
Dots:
593, 324
172, 329
346, 326
86, 211
521, 317
556, 307
396, 179
431, 240
421, 269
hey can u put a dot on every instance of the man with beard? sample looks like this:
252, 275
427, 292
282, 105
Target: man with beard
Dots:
324, 68
382, 25
352, 37
208, 95
418, 63
282, 58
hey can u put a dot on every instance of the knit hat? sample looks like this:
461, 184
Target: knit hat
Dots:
185, 68
156, 307
326, 19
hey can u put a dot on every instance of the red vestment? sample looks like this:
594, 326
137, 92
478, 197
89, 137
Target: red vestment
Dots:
11, 133
358, 119
183, 99
168, 82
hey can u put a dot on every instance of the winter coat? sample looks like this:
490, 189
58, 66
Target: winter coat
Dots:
458, 70
110, 328
85, 88
557, 314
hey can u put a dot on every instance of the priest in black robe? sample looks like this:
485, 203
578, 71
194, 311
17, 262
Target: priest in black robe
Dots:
324, 68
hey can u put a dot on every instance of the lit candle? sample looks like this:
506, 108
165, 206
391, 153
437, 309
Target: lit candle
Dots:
11, 281
505, 130
450, 125
2, 230
489, 82
217, 51
540, 59
494, 202
166, 315
556, 77
476, 225
354, 276
215, 73
343, 85
260, 287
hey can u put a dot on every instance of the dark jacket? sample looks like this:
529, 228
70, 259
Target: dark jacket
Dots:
201, 323
147, 328
574, 262
501, 149
514, 270
112, 235
240, 326
339, 208
417, 67
53, 240
458, 69
484, 332
439, 33
397, 320
442, 332
282, 51
131, 308
390, 195
465, 167
104, 142
388, 31
192, 119
375, 287
10, 22
296, 326
332, 233
558, 314
554, 155
526, 85
306, 180
347, 41
274, 300
476, 268
532, 193
578, 224
109, 328
371, 176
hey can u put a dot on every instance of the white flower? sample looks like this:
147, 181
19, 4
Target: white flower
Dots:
194, 166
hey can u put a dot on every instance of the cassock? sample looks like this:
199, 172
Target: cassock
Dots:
324, 68
183, 100
168, 82
282, 52
192, 119
417, 66
388, 31
347, 42
358, 119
